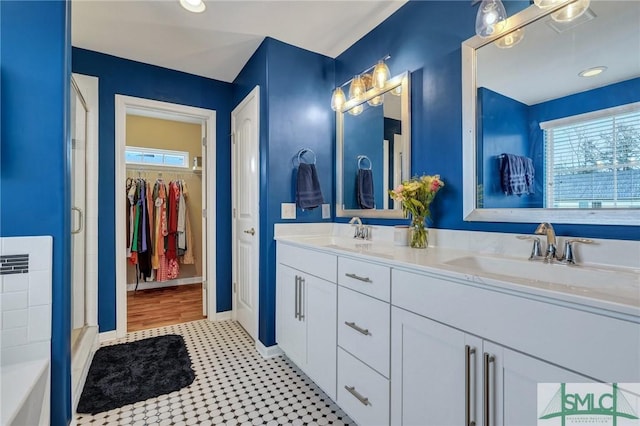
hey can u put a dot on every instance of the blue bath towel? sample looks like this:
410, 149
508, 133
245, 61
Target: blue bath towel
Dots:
308, 192
516, 174
365, 189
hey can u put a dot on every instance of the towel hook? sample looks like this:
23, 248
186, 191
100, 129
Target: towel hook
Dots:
303, 151
360, 159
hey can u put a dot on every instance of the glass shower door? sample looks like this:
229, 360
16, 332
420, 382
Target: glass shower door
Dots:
78, 209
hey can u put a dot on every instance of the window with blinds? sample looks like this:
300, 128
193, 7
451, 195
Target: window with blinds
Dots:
593, 160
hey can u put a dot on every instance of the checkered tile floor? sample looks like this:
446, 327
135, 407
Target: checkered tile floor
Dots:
234, 385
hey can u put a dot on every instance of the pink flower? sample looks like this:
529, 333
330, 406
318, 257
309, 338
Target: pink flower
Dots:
399, 189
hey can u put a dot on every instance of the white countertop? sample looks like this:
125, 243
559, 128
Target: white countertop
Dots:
609, 290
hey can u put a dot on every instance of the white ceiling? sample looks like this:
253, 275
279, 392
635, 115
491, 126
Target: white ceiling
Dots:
545, 65
218, 42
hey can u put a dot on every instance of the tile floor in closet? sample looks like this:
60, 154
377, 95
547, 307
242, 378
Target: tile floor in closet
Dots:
233, 385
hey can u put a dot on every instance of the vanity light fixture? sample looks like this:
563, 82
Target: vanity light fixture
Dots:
546, 4
592, 72
359, 85
195, 6
491, 18
571, 11
510, 39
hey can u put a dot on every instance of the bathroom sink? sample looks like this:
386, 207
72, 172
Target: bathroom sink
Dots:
362, 247
612, 284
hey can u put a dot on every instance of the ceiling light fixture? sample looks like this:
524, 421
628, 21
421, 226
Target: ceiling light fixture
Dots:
571, 11
195, 6
510, 39
359, 85
491, 18
592, 72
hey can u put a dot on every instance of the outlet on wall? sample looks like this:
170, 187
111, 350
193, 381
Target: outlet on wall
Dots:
326, 211
288, 210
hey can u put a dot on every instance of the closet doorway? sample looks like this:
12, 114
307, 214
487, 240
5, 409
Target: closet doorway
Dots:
165, 224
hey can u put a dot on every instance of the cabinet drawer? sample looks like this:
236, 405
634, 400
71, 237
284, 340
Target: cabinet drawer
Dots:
365, 277
313, 262
367, 402
364, 328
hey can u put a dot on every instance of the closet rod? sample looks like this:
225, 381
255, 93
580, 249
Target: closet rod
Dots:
167, 170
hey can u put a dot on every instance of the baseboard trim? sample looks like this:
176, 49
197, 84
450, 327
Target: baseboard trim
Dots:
146, 285
268, 352
105, 336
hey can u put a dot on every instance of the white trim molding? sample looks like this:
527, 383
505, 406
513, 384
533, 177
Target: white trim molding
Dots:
268, 351
138, 106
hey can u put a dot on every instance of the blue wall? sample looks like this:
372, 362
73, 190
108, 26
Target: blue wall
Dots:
34, 156
424, 37
504, 128
294, 114
124, 77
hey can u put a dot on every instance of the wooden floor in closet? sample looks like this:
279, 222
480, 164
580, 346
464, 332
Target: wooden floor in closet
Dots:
159, 307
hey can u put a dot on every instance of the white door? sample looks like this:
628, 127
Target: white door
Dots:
245, 126
513, 386
428, 366
291, 329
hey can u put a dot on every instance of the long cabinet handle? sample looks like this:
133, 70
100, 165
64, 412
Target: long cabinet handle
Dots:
488, 359
468, 351
361, 330
359, 278
352, 390
301, 296
297, 308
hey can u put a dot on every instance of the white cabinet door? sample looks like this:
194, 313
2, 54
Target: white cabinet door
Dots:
513, 384
291, 330
320, 311
428, 362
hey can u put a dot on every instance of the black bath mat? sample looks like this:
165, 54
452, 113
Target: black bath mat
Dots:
131, 372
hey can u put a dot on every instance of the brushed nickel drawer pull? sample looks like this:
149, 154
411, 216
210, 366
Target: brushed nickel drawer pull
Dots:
353, 325
468, 351
488, 360
352, 390
359, 278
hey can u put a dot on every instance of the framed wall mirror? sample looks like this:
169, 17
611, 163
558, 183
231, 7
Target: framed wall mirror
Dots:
373, 152
551, 116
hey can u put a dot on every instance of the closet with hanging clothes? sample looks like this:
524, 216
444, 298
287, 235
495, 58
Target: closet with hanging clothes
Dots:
164, 222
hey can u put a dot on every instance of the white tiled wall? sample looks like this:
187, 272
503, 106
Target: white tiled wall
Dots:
25, 302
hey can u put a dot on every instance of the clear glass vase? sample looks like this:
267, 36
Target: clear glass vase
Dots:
419, 233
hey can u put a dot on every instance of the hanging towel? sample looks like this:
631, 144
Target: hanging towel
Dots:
365, 189
516, 174
308, 193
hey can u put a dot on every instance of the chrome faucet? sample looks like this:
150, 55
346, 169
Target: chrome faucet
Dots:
545, 228
361, 232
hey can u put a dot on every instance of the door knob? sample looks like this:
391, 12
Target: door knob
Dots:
250, 231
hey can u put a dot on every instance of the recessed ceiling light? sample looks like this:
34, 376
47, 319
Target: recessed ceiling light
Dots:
591, 72
195, 6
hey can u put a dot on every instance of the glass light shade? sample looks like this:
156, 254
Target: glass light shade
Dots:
510, 39
337, 99
571, 11
380, 74
196, 6
491, 18
546, 4
357, 88
356, 110
376, 101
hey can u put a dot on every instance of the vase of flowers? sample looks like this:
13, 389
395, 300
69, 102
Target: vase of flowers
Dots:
415, 196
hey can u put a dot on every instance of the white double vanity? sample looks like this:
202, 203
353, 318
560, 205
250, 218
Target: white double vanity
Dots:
457, 334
